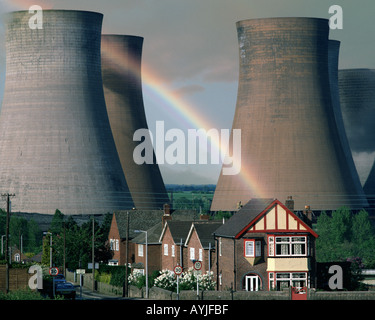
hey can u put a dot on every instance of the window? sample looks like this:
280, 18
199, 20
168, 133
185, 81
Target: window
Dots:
17, 257
288, 279
114, 244
192, 253
173, 250
200, 255
166, 249
140, 250
253, 248
220, 247
287, 246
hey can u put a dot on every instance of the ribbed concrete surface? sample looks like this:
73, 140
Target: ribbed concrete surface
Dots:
357, 98
290, 142
121, 69
56, 146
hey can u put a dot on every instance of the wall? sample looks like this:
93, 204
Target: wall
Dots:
18, 278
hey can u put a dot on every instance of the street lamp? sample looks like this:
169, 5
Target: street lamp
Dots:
50, 248
138, 231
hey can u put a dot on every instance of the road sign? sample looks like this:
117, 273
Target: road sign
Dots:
53, 271
177, 270
89, 265
197, 265
80, 271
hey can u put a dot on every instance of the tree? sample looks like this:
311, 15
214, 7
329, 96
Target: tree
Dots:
345, 235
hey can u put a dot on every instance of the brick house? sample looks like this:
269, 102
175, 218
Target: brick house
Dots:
183, 242
122, 228
200, 244
172, 240
126, 222
265, 246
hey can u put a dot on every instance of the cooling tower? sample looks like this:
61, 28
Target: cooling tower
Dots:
56, 146
333, 70
290, 141
121, 71
357, 98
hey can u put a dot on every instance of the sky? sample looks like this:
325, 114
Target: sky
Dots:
190, 55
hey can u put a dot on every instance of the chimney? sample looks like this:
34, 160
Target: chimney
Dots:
308, 215
167, 213
289, 203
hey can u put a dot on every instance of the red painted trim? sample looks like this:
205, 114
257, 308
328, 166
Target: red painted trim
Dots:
266, 210
276, 218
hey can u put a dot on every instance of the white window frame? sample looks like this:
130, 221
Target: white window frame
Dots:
173, 250
165, 249
200, 255
288, 242
140, 250
192, 253
252, 248
117, 247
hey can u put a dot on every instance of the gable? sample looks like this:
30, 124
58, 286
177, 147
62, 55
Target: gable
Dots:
276, 218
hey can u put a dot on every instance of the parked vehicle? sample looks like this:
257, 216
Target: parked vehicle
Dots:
65, 289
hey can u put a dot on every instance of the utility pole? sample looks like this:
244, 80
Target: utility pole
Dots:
93, 254
7, 195
126, 255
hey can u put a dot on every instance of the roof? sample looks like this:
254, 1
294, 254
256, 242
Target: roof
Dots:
205, 231
148, 220
153, 235
138, 220
243, 217
178, 229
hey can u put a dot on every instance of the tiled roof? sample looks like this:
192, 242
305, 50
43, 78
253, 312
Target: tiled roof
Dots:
243, 217
205, 231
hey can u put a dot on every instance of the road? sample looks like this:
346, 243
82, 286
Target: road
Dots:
88, 294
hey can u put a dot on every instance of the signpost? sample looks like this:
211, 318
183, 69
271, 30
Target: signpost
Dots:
53, 271
197, 266
178, 270
80, 272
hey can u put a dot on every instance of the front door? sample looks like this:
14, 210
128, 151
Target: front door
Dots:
252, 283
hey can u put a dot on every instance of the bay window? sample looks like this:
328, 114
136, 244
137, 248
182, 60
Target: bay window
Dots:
252, 248
287, 246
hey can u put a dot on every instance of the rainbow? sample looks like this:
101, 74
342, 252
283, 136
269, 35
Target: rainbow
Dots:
181, 110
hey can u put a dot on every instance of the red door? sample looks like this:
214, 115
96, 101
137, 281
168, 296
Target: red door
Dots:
299, 293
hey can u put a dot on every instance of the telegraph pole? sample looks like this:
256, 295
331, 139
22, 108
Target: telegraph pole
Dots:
93, 254
7, 195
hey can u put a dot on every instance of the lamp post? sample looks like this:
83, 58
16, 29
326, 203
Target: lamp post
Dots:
50, 248
138, 231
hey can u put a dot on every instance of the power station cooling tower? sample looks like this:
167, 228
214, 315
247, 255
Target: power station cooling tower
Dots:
56, 146
121, 71
290, 143
357, 98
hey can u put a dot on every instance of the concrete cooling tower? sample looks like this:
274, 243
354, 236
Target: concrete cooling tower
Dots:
121, 71
357, 98
290, 142
56, 146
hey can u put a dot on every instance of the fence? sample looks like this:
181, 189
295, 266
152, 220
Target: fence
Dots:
161, 294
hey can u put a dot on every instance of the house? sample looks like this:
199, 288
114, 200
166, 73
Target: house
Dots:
200, 244
184, 242
265, 246
172, 241
122, 228
125, 225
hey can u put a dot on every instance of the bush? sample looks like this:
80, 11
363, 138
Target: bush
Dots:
22, 295
187, 281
